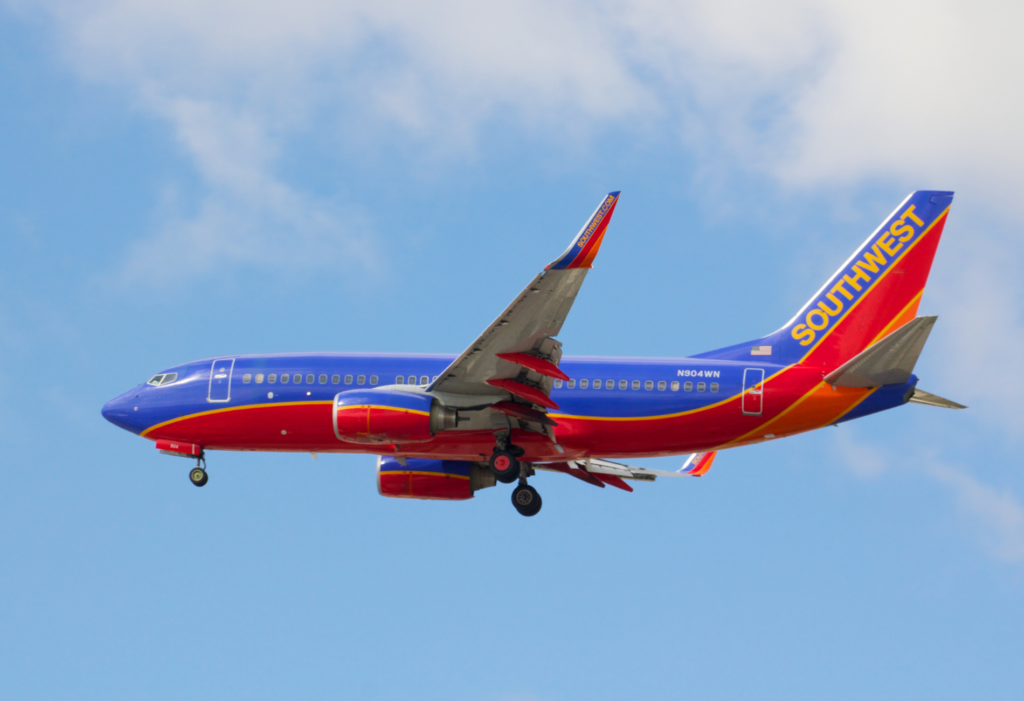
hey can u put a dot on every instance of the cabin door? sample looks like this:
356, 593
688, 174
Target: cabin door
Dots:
220, 380
753, 391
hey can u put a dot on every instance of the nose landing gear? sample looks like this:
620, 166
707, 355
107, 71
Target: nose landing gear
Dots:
197, 475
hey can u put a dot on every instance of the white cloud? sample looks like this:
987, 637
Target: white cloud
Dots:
995, 515
862, 459
247, 216
817, 95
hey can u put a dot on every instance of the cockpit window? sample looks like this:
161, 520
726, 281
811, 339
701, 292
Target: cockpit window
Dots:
155, 380
162, 379
169, 378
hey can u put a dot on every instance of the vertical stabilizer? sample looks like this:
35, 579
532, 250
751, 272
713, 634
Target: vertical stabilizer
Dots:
876, 291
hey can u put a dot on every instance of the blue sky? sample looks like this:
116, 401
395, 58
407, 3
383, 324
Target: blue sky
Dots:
181, 180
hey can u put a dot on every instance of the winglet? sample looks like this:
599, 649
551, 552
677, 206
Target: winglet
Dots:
584, 247
698, 464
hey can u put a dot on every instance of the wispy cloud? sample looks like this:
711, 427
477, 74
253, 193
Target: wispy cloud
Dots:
817, 96
810, 92
994, 515
247, 216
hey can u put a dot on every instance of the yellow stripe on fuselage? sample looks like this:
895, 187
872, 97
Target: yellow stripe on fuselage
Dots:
230, 408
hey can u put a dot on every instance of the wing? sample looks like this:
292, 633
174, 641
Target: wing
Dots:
517, 353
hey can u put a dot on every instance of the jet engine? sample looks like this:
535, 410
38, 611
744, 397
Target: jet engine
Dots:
383, 417
449, 480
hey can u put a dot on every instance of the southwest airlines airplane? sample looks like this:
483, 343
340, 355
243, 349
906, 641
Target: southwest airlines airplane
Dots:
443, 427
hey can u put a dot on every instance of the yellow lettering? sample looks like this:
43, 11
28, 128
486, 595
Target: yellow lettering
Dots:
800, 331
831, 312
910, 213
905, 228
840, 288
824, 319
887, 241
858, 275
872, 261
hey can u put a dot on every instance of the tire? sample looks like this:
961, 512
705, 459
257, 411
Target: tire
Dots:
526, 500
505, 467
198, 476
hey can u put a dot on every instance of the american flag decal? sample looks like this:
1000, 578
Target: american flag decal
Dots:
761, 350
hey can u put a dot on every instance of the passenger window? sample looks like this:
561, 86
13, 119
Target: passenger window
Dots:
361, 380
701, 386
155, 380
246, 378
348, 379
412, 379
675, 386
661, 385
373, 379
597, 384
623, 384
714, 386
434, 379
310, 378
335, 379
400, 380
424, 380
610, 384
271, 379
584, 384
558, 384
687, 386
284, 379
169, 378
323, 379
649, 385
259, 379
572, 384
636, 384
297, 379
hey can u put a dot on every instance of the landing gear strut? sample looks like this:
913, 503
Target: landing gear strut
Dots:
506, 468
197, 474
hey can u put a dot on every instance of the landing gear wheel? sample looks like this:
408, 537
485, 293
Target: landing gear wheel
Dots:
198, 476
505, 467
526, 500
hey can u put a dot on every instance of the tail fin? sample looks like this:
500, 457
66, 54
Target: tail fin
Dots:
876, 291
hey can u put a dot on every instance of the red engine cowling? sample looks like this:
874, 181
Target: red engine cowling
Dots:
384, 417
448, 480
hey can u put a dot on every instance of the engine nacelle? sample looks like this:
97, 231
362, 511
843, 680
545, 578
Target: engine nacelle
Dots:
384, 417
449, 480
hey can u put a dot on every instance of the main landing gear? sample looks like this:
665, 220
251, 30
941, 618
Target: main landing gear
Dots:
505, 464
197, 475
526, 499
506, 468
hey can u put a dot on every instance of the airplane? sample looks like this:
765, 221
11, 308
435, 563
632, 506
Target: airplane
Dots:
444, 427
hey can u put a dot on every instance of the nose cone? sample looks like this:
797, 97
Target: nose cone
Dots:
120, 412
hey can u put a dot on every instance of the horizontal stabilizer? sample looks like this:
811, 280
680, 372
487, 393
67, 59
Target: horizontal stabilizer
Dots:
921, 397
890, 361
698, 464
